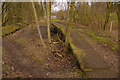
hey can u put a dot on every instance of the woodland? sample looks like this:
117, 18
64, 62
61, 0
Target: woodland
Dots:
60, 39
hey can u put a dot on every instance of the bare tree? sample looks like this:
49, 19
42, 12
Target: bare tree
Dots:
48, 19
72, 5
37, 24
107, 14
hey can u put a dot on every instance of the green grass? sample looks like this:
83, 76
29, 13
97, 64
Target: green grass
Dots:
55, 20
114, 46
8, 29
63, 30
103, 40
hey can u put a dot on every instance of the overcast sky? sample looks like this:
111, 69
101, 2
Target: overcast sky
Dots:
56, 6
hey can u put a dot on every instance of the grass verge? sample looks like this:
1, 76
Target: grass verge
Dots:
104, 40
9, 29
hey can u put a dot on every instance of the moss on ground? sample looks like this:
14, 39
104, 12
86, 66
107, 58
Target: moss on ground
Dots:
63, 30
104, 40
8, 29
55, 20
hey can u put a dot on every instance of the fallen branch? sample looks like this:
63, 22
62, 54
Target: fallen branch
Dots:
59, 39
59, 55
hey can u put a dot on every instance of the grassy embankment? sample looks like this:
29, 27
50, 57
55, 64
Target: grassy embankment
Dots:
9, 29
101, 37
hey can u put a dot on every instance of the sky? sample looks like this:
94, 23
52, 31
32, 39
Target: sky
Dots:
56, 6
61, 4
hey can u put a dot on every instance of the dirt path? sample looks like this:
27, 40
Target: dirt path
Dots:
17, 60
24, 56
91, 60
109, 56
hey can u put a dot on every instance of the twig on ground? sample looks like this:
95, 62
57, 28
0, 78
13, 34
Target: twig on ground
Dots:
59, 39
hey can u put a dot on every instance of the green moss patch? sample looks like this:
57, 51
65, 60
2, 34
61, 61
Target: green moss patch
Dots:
63, 30
102, 40
101, 37
8, 29
55, 20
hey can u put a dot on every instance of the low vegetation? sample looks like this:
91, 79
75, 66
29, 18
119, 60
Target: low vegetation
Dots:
102, 38
9, 29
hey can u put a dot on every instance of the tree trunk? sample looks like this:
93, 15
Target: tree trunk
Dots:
68, 13
13, 15
118, 14
107, 14
69, 25
37, 24
111, 26
84, 12
48, 20
68, 9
